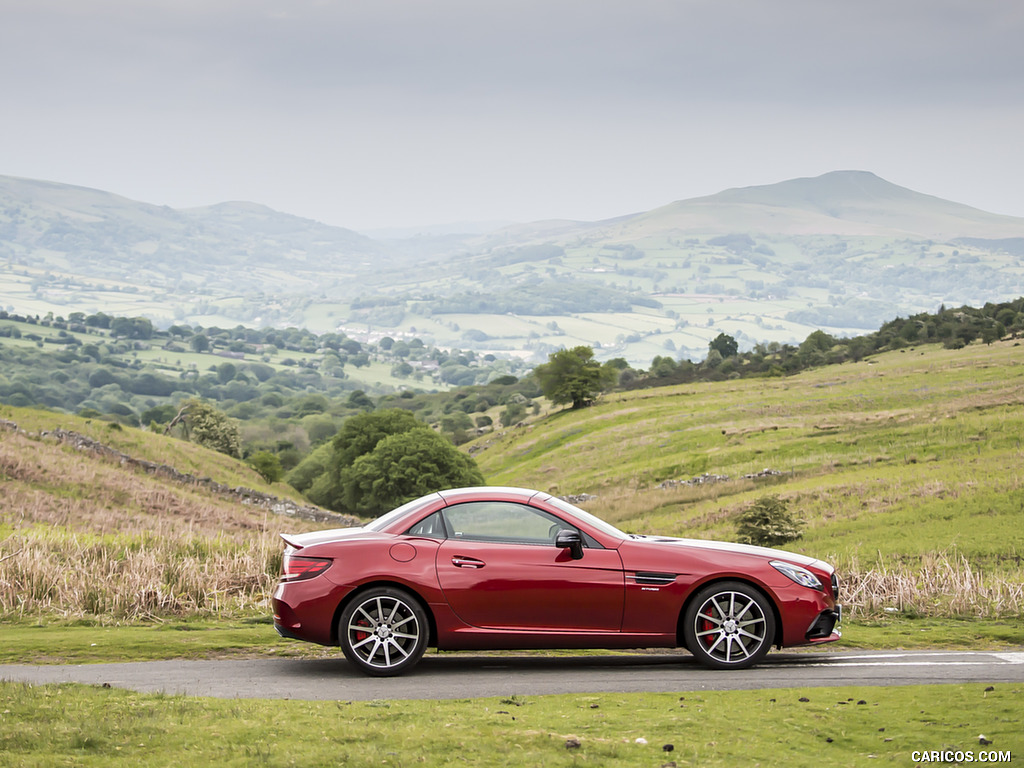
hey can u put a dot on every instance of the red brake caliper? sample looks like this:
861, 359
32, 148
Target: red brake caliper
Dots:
360, 636
707, 626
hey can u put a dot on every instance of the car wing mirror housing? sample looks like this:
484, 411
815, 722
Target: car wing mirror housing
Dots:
572, 541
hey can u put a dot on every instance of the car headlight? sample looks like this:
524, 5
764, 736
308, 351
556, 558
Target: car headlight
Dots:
801, 576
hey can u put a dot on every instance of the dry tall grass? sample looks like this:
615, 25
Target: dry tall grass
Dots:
81, 535
54, 572
940, 585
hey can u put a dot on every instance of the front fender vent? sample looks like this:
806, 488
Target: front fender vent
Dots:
652, 578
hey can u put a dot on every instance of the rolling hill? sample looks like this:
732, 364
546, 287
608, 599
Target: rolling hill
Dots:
845, 252
850, 203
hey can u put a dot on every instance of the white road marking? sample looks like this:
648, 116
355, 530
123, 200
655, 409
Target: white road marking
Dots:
1012, 657
952, 659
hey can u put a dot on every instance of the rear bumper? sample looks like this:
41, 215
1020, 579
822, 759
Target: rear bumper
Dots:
305, 610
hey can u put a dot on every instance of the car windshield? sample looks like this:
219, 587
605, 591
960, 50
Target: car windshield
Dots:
586, 517
385, 520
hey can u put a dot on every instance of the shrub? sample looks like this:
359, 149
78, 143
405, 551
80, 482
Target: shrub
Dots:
768, 523
267, 464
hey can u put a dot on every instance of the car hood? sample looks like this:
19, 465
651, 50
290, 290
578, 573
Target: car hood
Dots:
743, 549
302, 540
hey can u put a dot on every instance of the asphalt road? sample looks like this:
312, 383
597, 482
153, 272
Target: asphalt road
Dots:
462, 676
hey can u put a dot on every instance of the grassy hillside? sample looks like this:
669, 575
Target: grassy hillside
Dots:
82, 534
905, 463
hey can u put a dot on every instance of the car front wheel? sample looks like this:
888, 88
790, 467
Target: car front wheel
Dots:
729, 625
383, 631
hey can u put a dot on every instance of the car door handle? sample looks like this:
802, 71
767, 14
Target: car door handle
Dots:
467, 562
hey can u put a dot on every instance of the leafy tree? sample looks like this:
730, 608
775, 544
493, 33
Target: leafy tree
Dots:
768, 523
101, 377
360, 434
663, 367
513, 414
199, 343
205, 425
226, 372
402, 467
457, 424
99, 320
572, 376
305, 473
380, 460
132, 327
726, 345
267, 465
359, 399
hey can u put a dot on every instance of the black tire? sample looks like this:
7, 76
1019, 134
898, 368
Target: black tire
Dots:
383, 631
729, 625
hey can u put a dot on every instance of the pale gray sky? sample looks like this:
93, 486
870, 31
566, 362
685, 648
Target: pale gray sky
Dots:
380, 113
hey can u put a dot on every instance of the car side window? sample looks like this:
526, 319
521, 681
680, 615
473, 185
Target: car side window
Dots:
502, 521
431, 526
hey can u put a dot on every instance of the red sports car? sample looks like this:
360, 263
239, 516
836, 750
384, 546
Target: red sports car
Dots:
505, 568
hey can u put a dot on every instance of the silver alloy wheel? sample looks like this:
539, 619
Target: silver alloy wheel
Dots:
730, 626
383, 632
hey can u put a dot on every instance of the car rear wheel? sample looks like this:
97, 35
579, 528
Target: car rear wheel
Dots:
383, 631
729, 625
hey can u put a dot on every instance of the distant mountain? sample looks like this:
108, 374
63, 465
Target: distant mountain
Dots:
67, 227
845, 203
845, 251
854, 203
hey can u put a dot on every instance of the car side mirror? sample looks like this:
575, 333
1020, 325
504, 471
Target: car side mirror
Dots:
572, 541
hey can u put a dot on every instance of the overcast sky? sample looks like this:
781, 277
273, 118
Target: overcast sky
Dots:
397, 113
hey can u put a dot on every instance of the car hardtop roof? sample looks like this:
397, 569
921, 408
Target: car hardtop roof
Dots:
523, 495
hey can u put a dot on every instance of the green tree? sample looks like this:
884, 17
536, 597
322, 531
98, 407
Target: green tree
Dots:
572, 376
226, 372
403, 467
132, 327
359, 399
205, 425
663, 367
726, 345
360, 434
513, 414
304, 474
380, 460
267, 464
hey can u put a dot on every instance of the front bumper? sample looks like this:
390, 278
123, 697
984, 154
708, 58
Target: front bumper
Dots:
825, 627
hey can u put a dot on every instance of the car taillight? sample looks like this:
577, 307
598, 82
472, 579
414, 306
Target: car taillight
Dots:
299, 568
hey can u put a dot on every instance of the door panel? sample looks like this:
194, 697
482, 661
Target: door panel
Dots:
499, 585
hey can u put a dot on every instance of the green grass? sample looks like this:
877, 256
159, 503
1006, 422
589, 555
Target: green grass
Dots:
89, 641
94, 726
